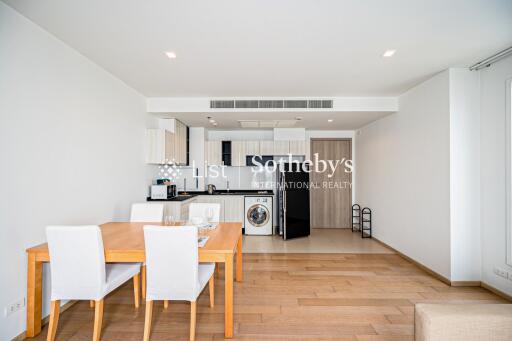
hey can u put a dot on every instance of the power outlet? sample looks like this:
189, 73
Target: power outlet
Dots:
501, 273
14, 307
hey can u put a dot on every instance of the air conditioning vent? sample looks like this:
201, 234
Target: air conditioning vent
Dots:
245, 104
269, 104
327, 104
320, 104
272, 104
222, 104
296, 104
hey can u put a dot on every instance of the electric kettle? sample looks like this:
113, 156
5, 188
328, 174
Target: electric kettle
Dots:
211, 189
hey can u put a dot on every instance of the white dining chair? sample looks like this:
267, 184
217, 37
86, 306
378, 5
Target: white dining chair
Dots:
78, 271
203, 210
147, 213
173, 270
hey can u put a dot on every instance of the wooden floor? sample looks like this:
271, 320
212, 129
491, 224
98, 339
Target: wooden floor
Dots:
289, 297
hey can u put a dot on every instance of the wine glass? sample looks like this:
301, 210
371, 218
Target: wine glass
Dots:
169, 220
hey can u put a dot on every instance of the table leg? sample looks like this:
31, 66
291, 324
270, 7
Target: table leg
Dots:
239, 260
228, 297
34, 295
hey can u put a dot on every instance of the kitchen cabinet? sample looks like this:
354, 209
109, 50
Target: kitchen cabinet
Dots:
159, 146
214, 153
234, 208
266, 148
238, 153
298, 147
281, 148
180, 143
252, 148
164, 146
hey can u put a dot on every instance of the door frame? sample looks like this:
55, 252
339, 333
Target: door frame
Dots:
350, 139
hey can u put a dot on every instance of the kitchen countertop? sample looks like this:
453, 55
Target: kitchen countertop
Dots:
190, 195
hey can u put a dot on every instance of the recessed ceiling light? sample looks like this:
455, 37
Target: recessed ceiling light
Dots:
389, 53
171, 54
329, 120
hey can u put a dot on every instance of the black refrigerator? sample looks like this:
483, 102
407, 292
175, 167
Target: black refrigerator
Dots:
293, 200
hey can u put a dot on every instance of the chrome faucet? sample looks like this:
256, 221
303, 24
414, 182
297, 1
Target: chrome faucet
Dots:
227, 185
185, 185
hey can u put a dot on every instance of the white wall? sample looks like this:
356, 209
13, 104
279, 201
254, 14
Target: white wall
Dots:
465, 175
403, 174
71, 145
493, 205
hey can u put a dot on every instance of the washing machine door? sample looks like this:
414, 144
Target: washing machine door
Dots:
258, 215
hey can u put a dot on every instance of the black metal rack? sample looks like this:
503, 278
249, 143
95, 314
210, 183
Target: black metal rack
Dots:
366, 223
356, 218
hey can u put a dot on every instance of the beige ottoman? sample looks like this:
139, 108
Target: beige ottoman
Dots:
464, 322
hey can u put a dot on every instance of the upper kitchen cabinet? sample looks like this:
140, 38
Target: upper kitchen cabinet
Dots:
281, 148
180, 143
266, 148
238, 152
298, 147
214, 153
164, 146
252, 148
159, 146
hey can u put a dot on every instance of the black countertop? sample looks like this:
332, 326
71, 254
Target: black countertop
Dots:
182, 197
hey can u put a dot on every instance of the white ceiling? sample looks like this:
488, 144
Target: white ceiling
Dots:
233, 48
310, 120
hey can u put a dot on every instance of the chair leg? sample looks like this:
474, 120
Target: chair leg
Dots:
91, 303
143, 281
192, 321
136, 284
211, 285
147, 321
98, 319
54, 320
166, 304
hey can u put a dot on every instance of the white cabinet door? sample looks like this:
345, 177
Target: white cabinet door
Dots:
234, 208
298, 147
166, 147
266, 147
281, 147
238, 153
252, 148
155, 144
214, 153
180, 143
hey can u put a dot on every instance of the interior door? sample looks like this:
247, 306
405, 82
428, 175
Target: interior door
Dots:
331, 196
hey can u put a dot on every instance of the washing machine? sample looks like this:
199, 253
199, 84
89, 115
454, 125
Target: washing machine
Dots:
258, 215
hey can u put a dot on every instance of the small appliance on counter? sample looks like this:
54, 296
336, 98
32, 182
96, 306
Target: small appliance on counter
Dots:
211, 189
162, 192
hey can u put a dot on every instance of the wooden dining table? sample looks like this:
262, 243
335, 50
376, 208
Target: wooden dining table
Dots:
124, 243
